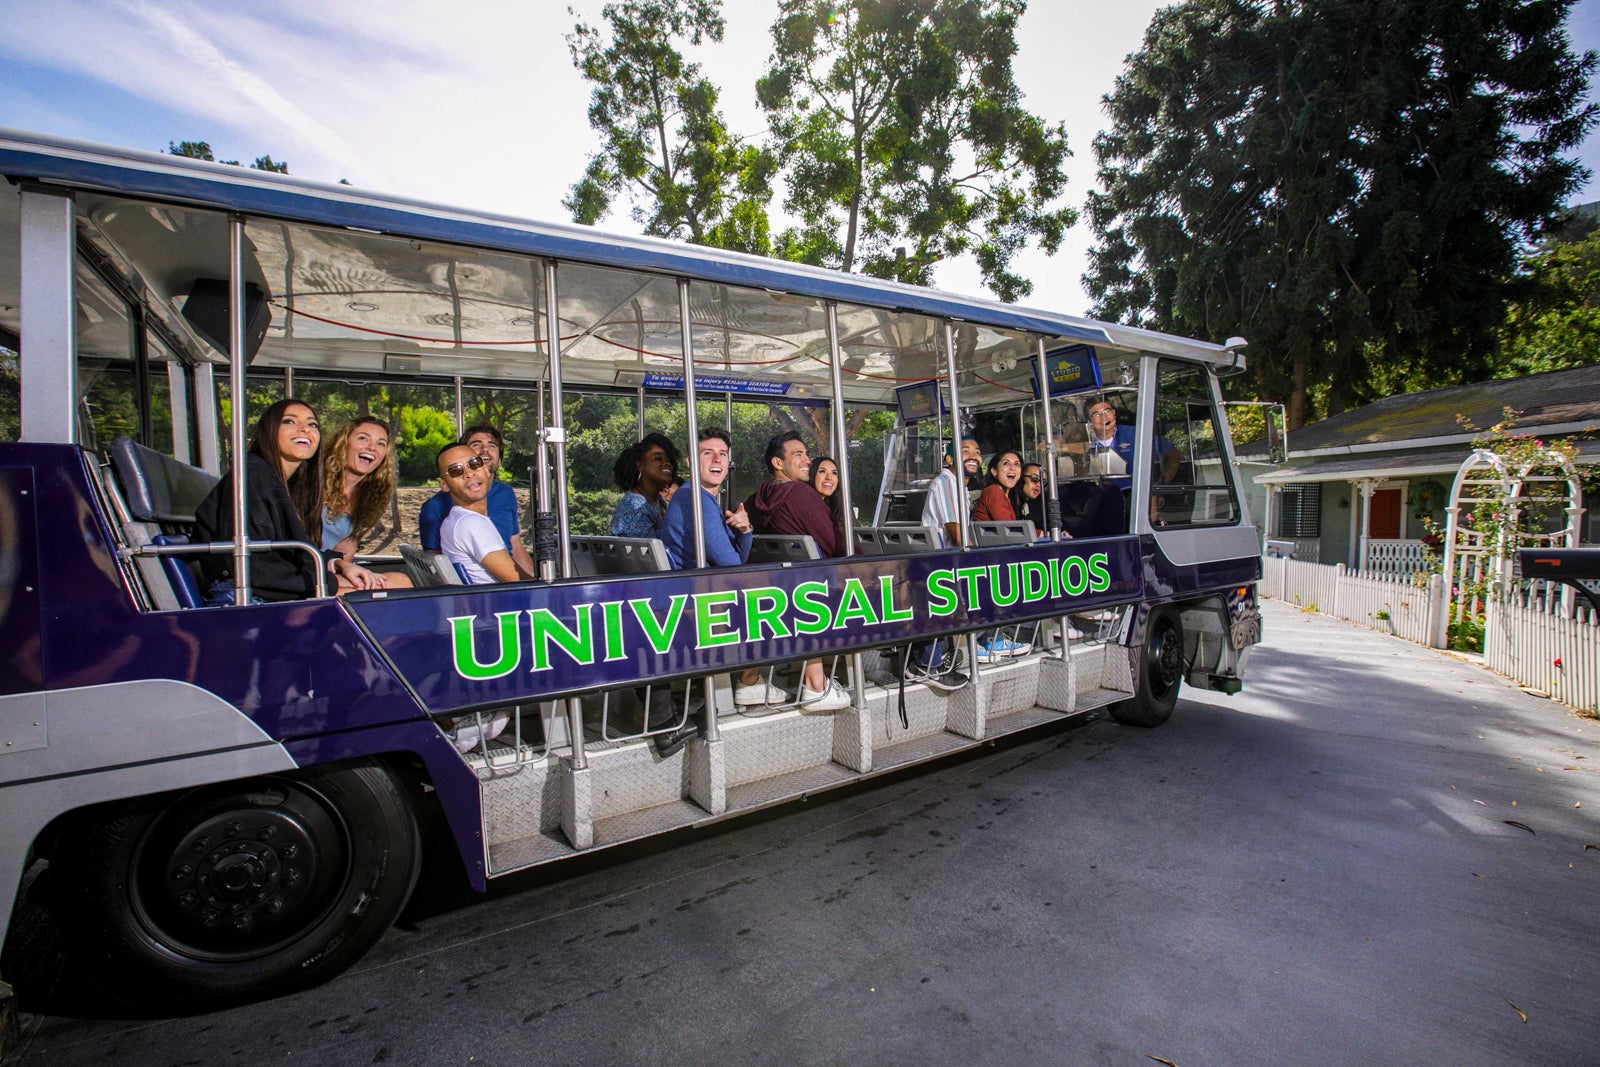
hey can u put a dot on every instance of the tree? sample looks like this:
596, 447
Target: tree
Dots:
905, 140
1345, 182
202, 150
1555, 321
664, 144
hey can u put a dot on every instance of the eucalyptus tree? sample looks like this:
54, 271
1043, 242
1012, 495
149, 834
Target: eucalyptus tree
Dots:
904, 141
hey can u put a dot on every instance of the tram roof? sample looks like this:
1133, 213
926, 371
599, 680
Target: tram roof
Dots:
181, 180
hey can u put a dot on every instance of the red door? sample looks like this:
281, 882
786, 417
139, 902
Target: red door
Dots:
1384, 522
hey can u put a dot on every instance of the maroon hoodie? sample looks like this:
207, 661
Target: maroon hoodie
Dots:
793, 508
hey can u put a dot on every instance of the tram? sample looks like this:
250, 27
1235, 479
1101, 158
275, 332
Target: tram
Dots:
229, 797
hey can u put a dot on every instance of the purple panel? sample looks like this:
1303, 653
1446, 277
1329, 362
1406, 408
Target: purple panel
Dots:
21, 662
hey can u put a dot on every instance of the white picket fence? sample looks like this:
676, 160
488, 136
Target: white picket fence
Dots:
1526, 634
1395, 559
1546, 645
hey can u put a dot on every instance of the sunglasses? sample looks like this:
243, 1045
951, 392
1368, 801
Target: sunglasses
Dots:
1034, 478
456, 470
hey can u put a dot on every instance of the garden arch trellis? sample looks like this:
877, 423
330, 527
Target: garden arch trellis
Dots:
1484, 526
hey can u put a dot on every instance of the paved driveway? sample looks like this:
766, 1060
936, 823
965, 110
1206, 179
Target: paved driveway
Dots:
1374, 855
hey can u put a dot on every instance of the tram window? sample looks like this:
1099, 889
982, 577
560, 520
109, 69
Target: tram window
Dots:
10, 395
160, 396
260, 394
1198, 488
108, 397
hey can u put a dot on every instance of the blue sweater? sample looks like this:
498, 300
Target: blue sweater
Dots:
724, 548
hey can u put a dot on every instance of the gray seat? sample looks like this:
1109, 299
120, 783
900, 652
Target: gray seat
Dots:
596, 556
897, 540
428, 569
783, 548
1017, 532
155, 497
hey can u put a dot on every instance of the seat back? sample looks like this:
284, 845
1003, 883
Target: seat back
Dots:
1017, 532
156, 487
897, 540
783, 548
596, 556
428, 569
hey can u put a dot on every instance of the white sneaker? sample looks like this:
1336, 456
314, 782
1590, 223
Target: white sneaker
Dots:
1098, 616
469, 734
1074, 634
832, 698
762, 692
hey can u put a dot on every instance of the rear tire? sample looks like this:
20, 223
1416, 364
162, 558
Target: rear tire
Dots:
1157, 665
237, 892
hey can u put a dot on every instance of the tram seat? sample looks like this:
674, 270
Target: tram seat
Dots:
897, 540
157, 497
783, 548
428, 570
905, 506
596, 556
1018, 532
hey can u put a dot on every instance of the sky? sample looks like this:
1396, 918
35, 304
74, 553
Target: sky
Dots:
476, 103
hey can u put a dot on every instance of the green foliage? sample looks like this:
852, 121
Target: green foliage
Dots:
664, 144
202, 150
1556, 322
905, 143
423, 432
589, 512
1344, 183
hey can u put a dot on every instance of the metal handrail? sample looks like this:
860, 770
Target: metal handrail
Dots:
207, 548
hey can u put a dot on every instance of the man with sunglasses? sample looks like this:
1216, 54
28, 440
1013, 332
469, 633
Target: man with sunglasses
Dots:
486, 442
468, 537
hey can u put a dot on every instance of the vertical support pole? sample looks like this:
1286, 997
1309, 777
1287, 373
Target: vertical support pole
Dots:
205, 418
1366, 524
461, 411
288, 382
858, 697
178, 390
49, 345
239, 406
1047, 469
141, 372
556, 431
639, 410
696, 512
956, 432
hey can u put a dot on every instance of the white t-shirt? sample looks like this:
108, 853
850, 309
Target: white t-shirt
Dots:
465, 538
942, 501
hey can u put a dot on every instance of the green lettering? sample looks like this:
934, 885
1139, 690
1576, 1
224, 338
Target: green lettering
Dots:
1035, 580
888, 612
547, 629
811, 608
1055, 578
970, 575
854, 604
707, 615
1074, 586
1004, 599
1099, 573
941, 593
463, 647
612, 613
765, 608
659, 632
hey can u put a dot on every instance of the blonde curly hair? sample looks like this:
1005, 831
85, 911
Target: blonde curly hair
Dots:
372, 492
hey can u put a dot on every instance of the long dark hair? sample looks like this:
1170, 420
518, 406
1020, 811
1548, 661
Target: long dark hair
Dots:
1029, 507
626, 470
305, 487
835, 500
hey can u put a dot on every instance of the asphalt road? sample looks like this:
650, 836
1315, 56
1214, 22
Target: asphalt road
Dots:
1376, 854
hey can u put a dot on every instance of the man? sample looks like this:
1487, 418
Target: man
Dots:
786, 503
468, 537
971, 467
946, 498
1111, 447
486, 442
727, 532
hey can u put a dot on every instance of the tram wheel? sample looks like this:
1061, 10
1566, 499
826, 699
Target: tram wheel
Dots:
237, 892
1157, 672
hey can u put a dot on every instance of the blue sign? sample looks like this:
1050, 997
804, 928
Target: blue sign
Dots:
1070, 370
475, 647
715, 383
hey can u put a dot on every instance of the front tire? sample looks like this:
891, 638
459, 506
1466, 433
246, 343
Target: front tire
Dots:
1158, 666
241, 891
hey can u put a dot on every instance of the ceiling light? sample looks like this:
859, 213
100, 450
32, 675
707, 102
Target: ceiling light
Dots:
361, 305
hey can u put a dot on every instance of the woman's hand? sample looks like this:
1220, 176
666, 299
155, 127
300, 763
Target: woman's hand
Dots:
347, 548
356, 576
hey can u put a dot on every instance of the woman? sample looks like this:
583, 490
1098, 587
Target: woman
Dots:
357, 487
283, 489
1027, 499
824, 478
647, 474
994, 503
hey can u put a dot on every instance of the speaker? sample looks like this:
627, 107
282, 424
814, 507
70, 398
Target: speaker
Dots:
206, 308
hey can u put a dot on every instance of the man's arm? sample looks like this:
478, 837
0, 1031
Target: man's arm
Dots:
430, 518
500, 566
521, 561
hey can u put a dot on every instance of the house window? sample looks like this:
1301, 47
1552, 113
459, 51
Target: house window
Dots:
1300, 510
